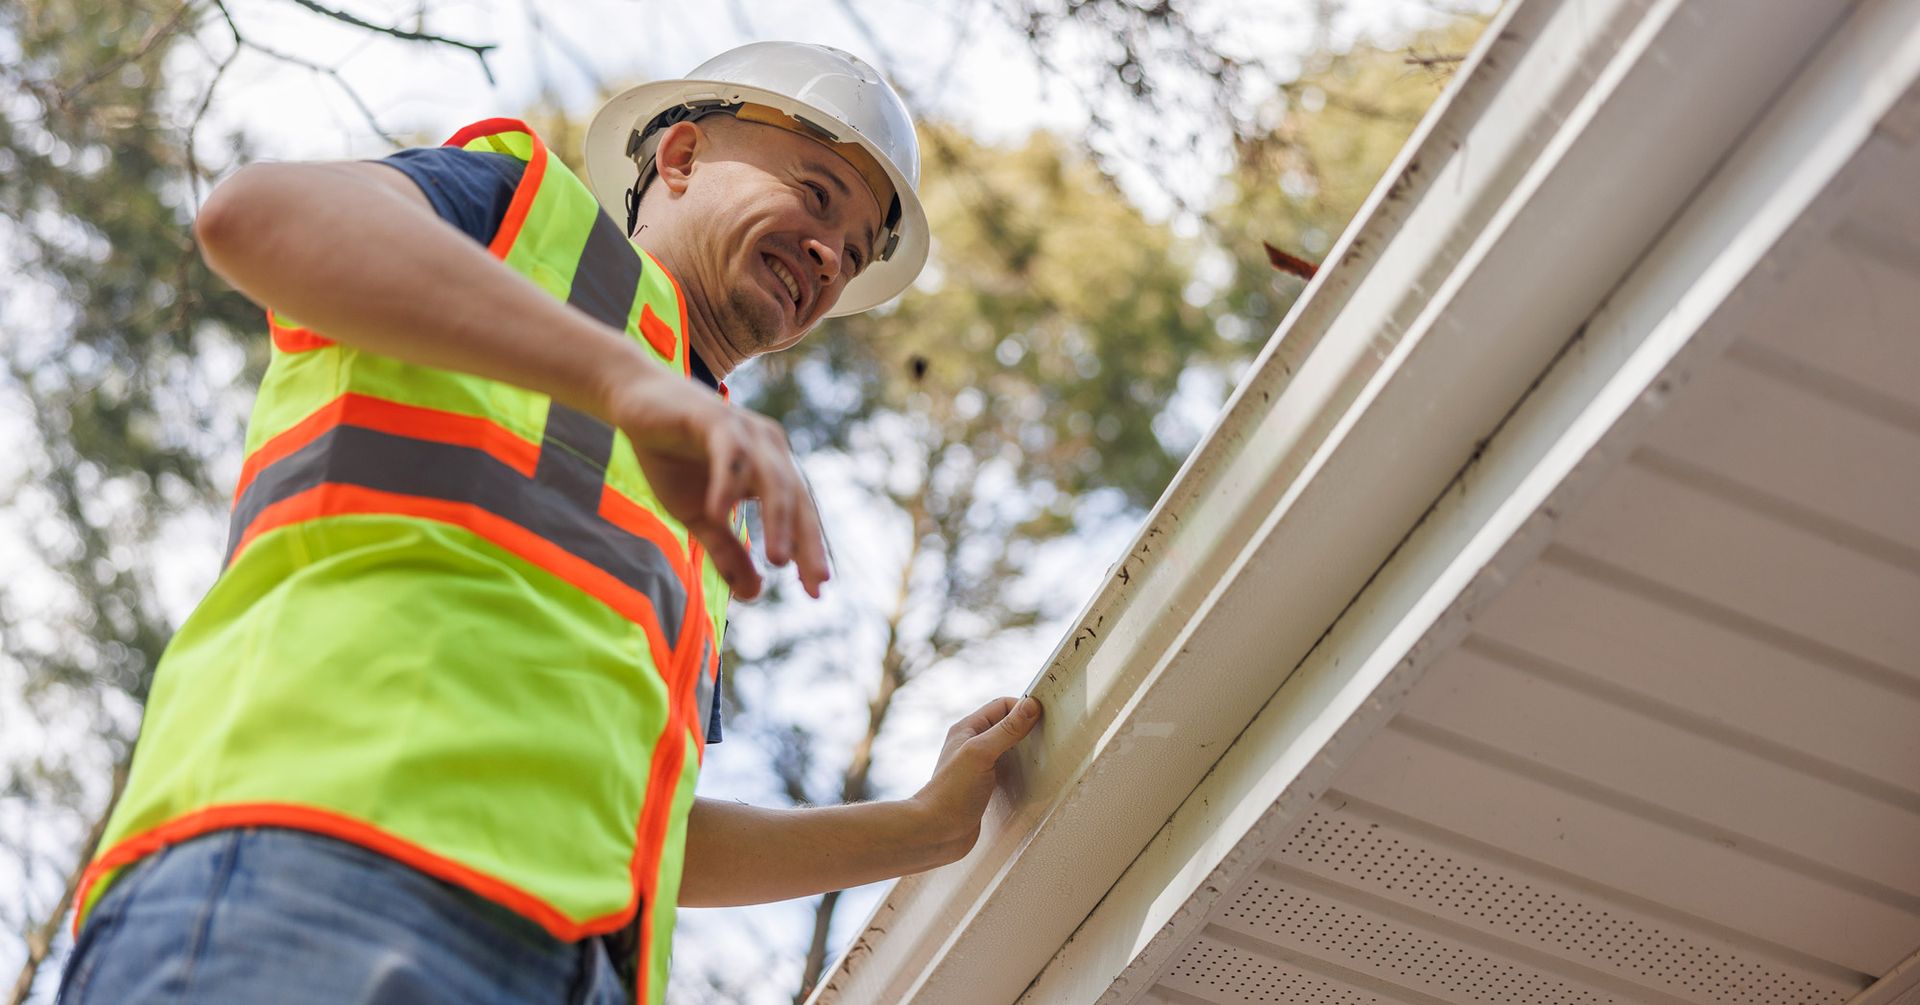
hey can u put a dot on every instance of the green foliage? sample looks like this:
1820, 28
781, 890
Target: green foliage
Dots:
96, 184
1297, 185
1023, 375
117, 352
1050, 331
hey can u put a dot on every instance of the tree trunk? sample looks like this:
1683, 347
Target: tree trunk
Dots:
40, 937
817, 949
853, 785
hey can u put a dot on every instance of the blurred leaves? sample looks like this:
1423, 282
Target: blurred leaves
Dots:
117, 355
114, 375
1297, 184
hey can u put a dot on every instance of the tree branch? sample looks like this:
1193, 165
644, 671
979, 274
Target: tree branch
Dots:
581, 63
479, 49
854, 783
1435, 61
195, 177
154, 37
40, 939
239, 39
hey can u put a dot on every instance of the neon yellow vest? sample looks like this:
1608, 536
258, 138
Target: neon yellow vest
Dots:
455, 625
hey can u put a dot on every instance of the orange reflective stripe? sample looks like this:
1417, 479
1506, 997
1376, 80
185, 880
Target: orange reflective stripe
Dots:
669, 753
288, 338
335, 499
486, 127
686, 323
400, 419
516, 217
637, 520
345, 828
536, 169
680, 300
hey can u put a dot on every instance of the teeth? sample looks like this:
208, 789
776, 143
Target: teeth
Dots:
793, 286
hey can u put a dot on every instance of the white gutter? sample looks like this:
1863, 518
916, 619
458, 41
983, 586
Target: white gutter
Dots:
1900, 986
1500, 229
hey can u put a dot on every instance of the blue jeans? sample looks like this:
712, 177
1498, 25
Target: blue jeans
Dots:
266, 915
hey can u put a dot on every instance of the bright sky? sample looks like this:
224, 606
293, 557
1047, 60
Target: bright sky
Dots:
956, 60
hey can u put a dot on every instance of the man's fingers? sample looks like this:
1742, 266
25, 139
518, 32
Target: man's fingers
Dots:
777, 500
1012, 719
789, 521
731, 557
748, 457
810, 542
729, 474
981, 719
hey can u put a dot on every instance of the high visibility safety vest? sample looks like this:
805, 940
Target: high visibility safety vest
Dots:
455, 625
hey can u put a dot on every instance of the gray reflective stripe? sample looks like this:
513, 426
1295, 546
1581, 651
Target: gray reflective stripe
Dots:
352, 455
607, 278
703, 688
576, 447
560, 503
573, 455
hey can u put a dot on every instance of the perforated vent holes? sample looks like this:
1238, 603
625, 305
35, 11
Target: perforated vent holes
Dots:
1365, 857
1323, 929
1225, 973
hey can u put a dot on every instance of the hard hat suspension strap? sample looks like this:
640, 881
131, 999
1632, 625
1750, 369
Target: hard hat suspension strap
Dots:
641, 144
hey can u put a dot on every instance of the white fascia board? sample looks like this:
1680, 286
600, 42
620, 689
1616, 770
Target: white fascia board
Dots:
1674, 312
1503, 226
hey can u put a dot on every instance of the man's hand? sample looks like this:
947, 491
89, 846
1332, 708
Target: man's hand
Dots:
703, 457
955, 798
738, 854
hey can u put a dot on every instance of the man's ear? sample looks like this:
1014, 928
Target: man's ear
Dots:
680, 146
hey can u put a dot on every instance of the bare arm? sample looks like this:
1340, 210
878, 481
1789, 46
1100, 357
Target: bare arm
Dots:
739, 854
355, 251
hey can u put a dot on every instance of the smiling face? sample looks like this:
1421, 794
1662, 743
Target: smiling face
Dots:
764, 229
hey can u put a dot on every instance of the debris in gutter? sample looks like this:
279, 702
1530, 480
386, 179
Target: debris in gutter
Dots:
1290, 264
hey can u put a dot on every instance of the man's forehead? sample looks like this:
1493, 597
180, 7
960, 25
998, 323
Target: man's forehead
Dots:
813, 156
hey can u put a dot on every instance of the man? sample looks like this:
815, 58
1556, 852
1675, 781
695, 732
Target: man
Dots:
432, 736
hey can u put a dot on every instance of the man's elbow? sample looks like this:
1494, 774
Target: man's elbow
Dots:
234, 216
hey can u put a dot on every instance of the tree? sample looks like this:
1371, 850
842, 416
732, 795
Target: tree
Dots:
118, 361
1298, 183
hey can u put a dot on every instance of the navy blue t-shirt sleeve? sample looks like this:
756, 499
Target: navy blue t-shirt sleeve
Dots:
470, 189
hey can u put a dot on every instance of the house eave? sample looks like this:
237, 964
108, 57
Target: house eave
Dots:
1347, 434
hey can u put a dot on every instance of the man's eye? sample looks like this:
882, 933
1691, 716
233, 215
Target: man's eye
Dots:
819, 193
854, 257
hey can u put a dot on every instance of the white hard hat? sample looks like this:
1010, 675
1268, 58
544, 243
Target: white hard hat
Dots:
815, 90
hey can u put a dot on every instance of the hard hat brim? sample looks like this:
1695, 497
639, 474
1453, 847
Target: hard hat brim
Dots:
610, 172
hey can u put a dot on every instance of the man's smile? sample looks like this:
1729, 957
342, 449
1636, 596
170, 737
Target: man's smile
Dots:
788, 281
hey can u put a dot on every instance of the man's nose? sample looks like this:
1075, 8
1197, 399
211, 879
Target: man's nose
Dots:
826, 261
